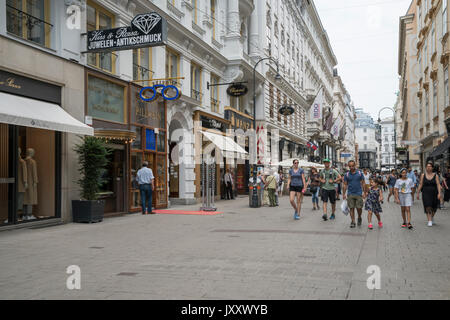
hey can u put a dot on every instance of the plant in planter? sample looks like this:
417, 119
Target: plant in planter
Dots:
93, 159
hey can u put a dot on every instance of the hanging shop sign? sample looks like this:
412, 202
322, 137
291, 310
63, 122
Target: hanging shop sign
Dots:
146, 30
286, 110
237, 90
210, 123
168, 92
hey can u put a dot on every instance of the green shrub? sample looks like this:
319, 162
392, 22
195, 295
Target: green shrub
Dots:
93, 159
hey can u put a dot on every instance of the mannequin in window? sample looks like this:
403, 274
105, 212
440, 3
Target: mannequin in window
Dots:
31, 197
22, 182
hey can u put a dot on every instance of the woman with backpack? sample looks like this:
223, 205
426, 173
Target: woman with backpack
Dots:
314, 187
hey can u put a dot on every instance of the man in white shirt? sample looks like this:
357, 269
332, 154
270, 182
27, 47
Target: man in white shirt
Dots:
146, 182
229, 185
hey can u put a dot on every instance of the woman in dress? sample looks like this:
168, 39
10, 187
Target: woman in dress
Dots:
314, 187
297, 185
431, 192
373, 202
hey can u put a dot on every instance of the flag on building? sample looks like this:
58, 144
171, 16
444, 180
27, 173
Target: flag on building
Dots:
312, 145
315, 112
336, 125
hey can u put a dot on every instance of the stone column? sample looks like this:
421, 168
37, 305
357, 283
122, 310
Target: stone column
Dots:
257, 15
233, 22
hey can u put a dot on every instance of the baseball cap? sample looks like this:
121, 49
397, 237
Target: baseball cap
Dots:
326, 160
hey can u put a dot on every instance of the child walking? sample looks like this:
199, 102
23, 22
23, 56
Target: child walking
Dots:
404, 187
373, 203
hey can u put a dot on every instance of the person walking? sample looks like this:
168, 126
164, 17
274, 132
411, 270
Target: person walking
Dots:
447, 185
229, 183
431, 192
412, 176
373, 202
354, 182
391, 183
366, 180
329, 177
146, 181
403, 189
314, 187
280, 183
271, 187
277, 178
297, 185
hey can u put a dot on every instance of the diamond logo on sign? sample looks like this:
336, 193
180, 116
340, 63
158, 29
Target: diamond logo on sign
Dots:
146, 22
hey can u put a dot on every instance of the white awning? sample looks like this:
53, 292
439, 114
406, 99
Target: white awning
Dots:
224, 143
28, 112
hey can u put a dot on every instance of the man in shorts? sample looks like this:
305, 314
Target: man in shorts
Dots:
355, 184
328, 178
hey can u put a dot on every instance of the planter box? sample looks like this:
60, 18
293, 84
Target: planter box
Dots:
88, 211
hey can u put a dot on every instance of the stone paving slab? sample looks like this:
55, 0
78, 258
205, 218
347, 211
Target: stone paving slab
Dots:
243, 253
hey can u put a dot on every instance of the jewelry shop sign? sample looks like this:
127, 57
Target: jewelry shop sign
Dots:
146, 30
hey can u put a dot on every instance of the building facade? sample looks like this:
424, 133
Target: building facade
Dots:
387, 144
366, 138
433, 52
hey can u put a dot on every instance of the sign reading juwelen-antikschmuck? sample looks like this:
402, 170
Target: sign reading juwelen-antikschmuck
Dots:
146, 30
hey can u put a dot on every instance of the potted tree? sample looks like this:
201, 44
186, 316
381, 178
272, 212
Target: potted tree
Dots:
93, 159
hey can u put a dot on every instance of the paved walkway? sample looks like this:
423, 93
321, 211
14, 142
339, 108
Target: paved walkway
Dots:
241, 254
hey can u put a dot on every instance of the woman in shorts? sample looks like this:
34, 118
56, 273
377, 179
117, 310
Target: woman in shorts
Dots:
297, 185
404, 187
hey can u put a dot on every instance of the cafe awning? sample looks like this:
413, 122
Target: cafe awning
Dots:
440, 149
28, 112
224, 143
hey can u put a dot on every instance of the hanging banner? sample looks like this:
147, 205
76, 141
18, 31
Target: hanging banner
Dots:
146, 30
317, 106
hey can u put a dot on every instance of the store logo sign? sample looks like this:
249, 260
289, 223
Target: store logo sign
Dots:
237, 90
169, 92
146, 22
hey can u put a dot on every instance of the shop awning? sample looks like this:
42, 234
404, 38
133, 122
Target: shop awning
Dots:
440, 149
28, 112
225, 144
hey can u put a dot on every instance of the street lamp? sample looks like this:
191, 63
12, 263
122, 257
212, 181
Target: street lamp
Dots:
255, 202
395, 134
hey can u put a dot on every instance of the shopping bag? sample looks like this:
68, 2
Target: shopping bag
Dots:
344, 208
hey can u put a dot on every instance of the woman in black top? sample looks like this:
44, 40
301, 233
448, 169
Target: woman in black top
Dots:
431, 192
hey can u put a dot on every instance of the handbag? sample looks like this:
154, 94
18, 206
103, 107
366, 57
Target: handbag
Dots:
313, 189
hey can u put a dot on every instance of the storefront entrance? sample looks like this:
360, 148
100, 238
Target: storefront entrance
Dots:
174, 174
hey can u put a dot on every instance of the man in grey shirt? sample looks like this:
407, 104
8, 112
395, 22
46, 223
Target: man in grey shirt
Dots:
146, 182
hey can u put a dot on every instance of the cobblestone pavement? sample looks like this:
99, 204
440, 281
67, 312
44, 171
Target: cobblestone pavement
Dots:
241, 254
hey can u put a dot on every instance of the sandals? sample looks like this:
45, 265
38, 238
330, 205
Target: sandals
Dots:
352, 225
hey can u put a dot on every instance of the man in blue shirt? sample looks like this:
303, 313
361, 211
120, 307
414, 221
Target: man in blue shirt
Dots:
354, 182
146, 182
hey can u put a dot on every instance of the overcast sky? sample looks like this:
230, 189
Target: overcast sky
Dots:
364, 38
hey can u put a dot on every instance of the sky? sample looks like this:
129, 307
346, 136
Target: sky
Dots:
364, 38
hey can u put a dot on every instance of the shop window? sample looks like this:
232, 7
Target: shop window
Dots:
150, 140
137, 144
136, 164
29, 20
142, 64
100, 19
36, 178
162, 141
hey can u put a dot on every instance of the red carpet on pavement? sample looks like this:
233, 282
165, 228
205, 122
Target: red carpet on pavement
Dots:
198, 213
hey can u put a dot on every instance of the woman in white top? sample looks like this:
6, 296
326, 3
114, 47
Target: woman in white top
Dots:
404, 187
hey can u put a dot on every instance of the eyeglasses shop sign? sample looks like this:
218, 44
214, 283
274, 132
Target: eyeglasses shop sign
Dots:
146, 30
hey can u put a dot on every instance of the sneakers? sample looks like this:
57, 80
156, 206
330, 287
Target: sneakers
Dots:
380, 224
370, 226
332, 217
404, 225
296, 216
324, 217
352, 225
359, 221
430, 223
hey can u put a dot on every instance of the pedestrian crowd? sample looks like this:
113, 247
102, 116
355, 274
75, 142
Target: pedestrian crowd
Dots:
360, 190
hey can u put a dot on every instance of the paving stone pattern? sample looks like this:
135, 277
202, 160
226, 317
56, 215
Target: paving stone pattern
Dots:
243, 253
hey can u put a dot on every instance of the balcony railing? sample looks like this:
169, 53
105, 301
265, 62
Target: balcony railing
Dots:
197, 95
27, 26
